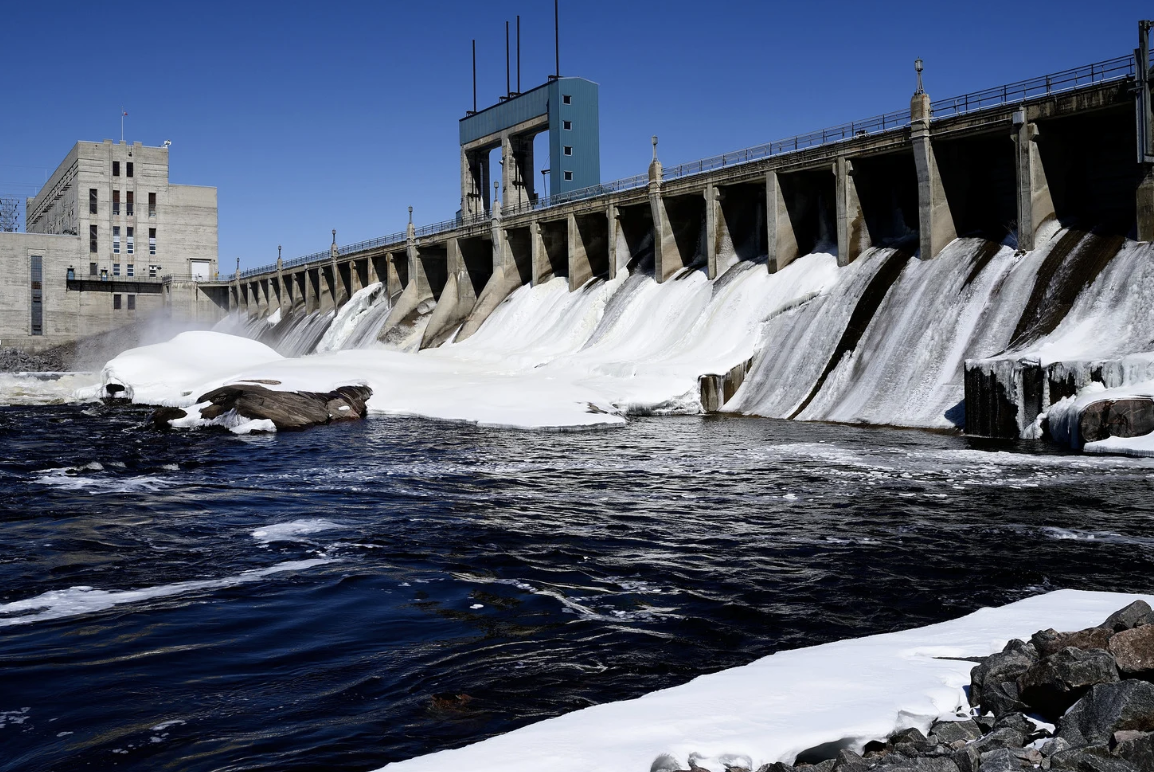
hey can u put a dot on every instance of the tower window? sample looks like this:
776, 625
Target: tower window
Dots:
91, 238
116, 202
115, 302
152, 205
567, 125
152, 241
116, 168
128, 168
92, 200
37, 283
129, 234
128, 203
116, 239
568, 150
566, 99
568, 176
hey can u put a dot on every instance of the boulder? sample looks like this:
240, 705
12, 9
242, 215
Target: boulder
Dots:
1056, 682
925, 764
968, 758
848, 761
1018, 722
951, 731
1130, 417
1135, 747
1000, 760
1049, 642
163, 416
1136, 614
1094, 758
1106, 709
776, 766
288, 410
1006, 737
988, 679
1133, 650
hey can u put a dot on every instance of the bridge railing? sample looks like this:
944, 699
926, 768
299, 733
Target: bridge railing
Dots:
1119, 68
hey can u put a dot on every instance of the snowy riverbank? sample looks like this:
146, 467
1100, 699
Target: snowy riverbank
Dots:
847, 693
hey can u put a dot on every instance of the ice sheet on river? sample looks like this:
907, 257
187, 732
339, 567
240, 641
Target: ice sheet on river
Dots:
848, 692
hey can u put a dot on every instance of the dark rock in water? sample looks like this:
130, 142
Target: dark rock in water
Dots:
1106, 709
1050, 641
987, 679
1135, 747
1116, 418
952, 731
163, 415
1133, 650
288, 410
1056, 682
1136, 614
1095, 758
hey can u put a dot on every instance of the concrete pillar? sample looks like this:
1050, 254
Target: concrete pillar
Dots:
541, 266
782, 240
579, 269
1035, 205
712, 206
392, 278
286, 300
474, 182
611, 218
935, 222
853, 235
1145, 203
516, 172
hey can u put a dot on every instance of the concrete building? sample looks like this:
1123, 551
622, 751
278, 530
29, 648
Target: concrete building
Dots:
109, 240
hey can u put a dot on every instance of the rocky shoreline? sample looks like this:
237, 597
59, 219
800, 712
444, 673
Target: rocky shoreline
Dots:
1079, 701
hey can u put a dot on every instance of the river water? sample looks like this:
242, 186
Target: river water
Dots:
344, 597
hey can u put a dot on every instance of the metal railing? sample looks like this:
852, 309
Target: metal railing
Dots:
1117, 69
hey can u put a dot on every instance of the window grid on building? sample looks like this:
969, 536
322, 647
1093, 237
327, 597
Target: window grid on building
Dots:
116, 269
152, 205
116, 302
91, 238
131, 270
152, 241
116, 168
92, 200
116, 203
128, 169
128, 204
37, 286
129, 238
116, 239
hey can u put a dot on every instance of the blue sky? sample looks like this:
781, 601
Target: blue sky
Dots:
313, 116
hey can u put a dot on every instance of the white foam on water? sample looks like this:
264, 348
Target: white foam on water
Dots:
43, 388
75, 601
851, 691
78, 479
296, 530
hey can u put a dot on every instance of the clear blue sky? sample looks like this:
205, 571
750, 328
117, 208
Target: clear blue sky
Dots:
313, 116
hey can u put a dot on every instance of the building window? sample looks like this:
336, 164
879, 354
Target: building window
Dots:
92, 200
152, 269
152, 241
91, 238
116, 168
128, 168
152, 205
132, 302
567, 125
115, 302
92, 269
116, 269
568, 176
128, 203
37, 283
129, 234
567, 99
131, 272
568, 150
116, 203
116, 239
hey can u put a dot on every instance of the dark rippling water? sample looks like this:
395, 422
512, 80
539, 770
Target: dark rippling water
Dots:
460, 582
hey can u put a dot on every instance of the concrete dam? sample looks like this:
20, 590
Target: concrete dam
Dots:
964, 263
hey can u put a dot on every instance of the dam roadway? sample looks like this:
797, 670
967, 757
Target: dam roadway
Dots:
993, 163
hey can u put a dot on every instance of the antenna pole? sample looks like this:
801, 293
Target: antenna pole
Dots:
507, 89
518, 53
474, 75
557, 37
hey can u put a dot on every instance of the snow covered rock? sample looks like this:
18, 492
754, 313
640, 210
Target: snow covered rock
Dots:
1125, 418
254, 407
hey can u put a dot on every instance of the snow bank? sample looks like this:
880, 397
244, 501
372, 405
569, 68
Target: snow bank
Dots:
545, 358
848, 692
1064, 418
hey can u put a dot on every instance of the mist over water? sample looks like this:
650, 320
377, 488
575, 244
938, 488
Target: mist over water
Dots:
341, 598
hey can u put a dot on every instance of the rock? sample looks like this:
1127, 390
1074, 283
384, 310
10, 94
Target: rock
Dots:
160, 419
1094, 758
288, 410
952, 731
1055, 683
1133, 650
1018, 722
968, 758
986, 723
987, 678
1054, 745
1106, 709
1006, 737
1000, 760
665, 763
1136, 614
910, 742
924, 764
1135, 747
848, 761
1129, 417
1049, 642
776, 766
825, 766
